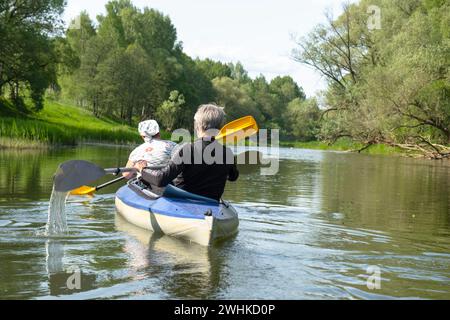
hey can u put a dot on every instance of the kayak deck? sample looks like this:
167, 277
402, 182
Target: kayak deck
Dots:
175, 207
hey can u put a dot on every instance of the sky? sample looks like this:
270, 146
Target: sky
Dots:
258, 33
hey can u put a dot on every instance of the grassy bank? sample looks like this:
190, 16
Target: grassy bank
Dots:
59, 124
343, 145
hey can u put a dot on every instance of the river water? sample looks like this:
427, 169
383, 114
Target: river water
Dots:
329, 225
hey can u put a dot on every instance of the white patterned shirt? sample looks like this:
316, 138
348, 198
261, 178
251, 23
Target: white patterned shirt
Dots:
156, 152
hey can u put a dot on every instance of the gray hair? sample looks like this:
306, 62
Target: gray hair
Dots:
209, 116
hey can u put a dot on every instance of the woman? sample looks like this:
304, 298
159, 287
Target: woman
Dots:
153, 152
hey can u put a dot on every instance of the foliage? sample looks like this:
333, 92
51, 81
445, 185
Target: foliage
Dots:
302, 119
27, 58
171, 110
389, 85
235, 99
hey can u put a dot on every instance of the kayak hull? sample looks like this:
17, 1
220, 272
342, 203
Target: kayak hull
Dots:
198, 221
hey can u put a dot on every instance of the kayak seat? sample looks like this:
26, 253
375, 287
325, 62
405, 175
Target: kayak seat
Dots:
144, 190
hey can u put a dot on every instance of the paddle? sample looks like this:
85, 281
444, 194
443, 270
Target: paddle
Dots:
86, 190
77, 173
238, 129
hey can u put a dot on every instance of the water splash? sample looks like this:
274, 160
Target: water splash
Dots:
57, 222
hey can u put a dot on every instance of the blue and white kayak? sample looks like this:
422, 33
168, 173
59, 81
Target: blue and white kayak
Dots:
177, 213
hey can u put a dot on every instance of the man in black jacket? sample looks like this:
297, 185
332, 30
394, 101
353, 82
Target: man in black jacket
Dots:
201, 167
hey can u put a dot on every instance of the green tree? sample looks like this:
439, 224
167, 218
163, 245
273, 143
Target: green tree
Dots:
302, 119
27, 58
238, 72
213, 69
236, 101
125, 77
389, 85
169, 112
80, 31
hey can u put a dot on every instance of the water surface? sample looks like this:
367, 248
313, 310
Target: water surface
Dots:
310, 232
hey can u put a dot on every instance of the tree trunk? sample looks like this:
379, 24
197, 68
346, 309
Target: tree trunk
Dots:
1, 82
94, 106
130, 115
17, 90
14, 91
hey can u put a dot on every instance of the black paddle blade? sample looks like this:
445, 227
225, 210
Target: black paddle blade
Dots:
76, 173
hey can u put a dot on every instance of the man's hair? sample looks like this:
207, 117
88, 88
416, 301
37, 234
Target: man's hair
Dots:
209, 116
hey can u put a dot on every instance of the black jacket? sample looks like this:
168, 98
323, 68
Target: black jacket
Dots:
202, 167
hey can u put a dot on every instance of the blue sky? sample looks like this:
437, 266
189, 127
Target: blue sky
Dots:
255, 32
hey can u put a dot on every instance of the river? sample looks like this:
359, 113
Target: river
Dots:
329, 225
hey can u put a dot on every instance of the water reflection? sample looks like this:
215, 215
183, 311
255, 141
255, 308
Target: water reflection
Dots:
65, 280
387, 193
28, 174
183, 269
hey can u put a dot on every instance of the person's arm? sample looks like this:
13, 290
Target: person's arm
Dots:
233, 173
162, 177
129, 175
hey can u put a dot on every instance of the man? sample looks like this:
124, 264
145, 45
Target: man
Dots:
201, 167
154, 151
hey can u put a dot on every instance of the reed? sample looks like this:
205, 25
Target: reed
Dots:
61, 124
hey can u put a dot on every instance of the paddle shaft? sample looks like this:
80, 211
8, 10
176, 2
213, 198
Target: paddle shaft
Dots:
101, 186
116, 171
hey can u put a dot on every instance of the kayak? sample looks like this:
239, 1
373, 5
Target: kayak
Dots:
177, 213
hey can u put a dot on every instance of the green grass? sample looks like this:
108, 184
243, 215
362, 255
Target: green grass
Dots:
59, 124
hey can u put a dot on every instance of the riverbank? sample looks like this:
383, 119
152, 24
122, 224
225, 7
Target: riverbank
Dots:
60, 124
64, 124
344, 145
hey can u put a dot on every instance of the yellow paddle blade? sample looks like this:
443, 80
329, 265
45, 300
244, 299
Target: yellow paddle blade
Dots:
83, 191
238, 129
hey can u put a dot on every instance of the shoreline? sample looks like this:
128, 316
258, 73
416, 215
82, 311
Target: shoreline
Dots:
30, 144
375, 150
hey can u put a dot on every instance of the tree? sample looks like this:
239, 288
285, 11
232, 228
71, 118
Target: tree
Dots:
385, 86
265, 100
412, 86
302, 119
80, 31
238, 72
236, 101
213, 69
286, 88
171, 109
27, 57
195, 86
88, 88
125, 77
